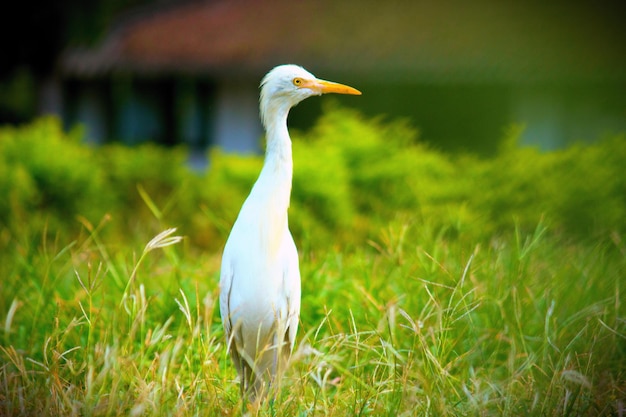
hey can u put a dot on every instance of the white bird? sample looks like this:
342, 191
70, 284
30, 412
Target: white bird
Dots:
260, 276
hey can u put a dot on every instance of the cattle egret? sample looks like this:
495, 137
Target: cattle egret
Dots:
260, 277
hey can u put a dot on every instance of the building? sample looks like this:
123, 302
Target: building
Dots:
462, 71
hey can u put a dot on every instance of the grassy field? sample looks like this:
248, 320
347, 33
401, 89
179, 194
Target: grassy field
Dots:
432, 285
412, 323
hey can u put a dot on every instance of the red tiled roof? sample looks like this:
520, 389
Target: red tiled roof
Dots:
401, 39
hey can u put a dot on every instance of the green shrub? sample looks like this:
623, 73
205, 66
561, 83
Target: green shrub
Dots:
377, 156
49, 172
160, 171
588, 189
145, 184
321, 193
352, 177
579, 190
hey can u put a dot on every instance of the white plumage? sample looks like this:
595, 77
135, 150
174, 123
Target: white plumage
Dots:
260, 277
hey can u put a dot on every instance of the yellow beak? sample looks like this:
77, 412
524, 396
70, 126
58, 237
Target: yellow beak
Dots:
324, 87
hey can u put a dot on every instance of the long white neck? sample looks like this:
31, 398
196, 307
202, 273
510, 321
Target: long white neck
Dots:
278, 158
273, 187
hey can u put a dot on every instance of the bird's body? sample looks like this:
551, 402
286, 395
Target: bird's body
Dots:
260, 277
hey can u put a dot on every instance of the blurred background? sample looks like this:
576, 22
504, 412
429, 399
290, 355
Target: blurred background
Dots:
187, 72
476, 117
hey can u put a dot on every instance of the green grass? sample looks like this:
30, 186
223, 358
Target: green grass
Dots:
420, 294
414, 322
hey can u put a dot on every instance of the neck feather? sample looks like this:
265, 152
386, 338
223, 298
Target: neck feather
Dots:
274, 183
278, 155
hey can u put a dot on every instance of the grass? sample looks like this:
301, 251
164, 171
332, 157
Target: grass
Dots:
414, 322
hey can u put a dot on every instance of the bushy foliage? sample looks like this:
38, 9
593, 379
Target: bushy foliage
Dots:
579, 190
352, 176
389, 171
49, 174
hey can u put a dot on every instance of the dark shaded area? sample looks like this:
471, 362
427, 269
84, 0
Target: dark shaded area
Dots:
33, 34
461, 100
136, 110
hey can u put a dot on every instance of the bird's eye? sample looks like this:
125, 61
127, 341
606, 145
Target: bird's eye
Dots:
297, 82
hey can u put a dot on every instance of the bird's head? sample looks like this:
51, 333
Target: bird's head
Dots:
287, 85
